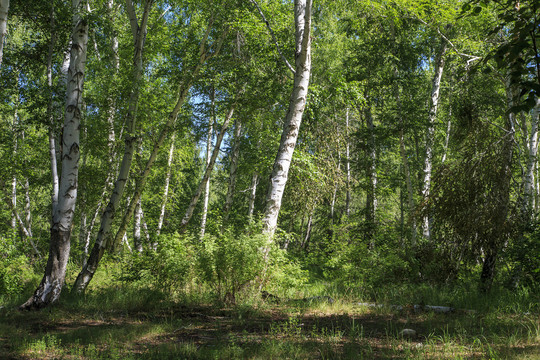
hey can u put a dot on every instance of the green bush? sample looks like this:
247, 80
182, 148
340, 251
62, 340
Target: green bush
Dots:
15, 268
229, 263
166, 268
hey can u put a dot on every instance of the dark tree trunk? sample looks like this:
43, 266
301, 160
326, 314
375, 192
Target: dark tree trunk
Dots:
49, 289
488, 271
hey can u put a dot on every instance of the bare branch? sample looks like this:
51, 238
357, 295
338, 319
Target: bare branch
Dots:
471, 57
273, 36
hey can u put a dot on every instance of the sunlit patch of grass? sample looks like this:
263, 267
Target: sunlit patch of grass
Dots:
124, 322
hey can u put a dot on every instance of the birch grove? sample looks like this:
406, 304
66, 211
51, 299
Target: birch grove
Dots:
192, 136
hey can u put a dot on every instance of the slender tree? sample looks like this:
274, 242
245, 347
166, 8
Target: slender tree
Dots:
4, 8
51, 285
297, 103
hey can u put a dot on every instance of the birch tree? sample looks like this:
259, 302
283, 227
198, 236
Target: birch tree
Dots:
233, 170
104, 237
293, 119
527, 206
430, 137
51, 285
208, 170
4, 8
138, 32
211, 123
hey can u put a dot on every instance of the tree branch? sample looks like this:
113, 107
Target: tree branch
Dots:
273, 36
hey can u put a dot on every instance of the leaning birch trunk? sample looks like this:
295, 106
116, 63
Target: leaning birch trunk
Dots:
348, 167
4, 7
430, 139
139, 35
50, 287
253, 194
206, 196
84, 241
207, 172
235, 153
21, 224
14, 179
86, 274
372, 177
297, 103
165, 189
336, 186
141, 181
137, 242
527, 205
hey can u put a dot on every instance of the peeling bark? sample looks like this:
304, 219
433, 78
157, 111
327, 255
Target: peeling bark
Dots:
48, 292
430, 138
297, 103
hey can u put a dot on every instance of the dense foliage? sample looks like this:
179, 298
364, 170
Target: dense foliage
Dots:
415, 163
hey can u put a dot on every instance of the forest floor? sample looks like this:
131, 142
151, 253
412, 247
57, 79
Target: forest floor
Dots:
144, 326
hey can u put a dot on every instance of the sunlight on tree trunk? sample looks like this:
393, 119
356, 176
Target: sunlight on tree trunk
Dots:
297, 103
51, 285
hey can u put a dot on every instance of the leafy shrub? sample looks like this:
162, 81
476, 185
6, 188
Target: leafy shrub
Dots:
166, 268
285, 277
15, 268
229, 263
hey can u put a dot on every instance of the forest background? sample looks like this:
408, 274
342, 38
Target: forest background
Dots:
220, 150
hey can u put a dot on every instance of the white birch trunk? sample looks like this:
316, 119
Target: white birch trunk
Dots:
14, 179
14, 201
51, 285
86, 274
253, 194
139, 36
206, 195
27, 232
166, 188
145, 227
430, 138
4, 8
348, 167
28, 205
297, 103
528, 181
137, 243
235, 153
206, 177
308, 231
372, 174
334, 194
